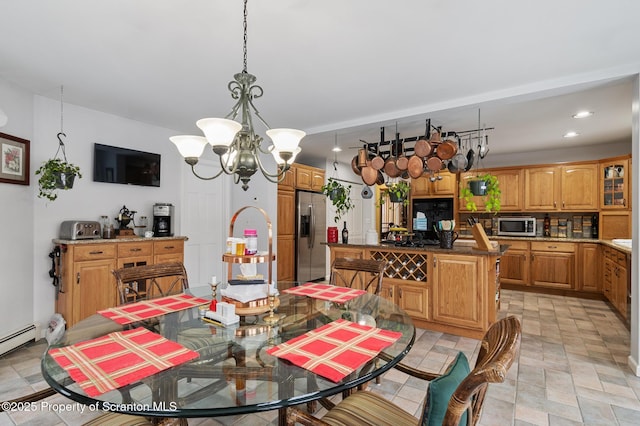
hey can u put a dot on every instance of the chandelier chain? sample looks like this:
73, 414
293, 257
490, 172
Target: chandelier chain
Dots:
61, 109
244, 46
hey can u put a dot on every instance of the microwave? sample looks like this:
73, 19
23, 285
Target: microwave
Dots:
517, 226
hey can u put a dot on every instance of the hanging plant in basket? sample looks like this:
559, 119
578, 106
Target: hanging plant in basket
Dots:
486, 186
398, 192
340, 196
56, 173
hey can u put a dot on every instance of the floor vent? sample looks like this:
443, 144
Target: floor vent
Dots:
17, 338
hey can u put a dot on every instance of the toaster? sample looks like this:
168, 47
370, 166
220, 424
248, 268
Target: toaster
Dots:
79, 230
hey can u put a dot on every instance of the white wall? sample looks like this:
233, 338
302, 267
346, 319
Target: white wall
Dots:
16, 217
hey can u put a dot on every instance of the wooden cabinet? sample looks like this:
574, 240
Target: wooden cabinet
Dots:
571, 187
444, 184
615, 224
614, 187
288, 182
553, 264
589, 275
579, 187
615, 279
286, 245
87, 284
309, 178
414, 300
514, 264
135, 254
510, 183
458, 283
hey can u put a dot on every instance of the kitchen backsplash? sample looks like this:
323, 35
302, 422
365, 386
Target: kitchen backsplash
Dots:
562, 225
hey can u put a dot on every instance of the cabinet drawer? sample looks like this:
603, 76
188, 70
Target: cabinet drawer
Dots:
516, 244
134, 249
621, 257
553, 246
94, 252
168, 247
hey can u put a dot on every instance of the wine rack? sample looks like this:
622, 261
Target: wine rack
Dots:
402, 265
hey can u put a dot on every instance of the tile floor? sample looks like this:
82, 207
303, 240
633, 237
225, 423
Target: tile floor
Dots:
572, 370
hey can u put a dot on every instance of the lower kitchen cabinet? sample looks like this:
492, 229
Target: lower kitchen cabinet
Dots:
514, 264
414, 300
86, 282
553, 265
457, 284
589, 275
615, 279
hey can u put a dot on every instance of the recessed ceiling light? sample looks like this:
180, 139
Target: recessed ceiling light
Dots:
571, 134
583, 114
336, 149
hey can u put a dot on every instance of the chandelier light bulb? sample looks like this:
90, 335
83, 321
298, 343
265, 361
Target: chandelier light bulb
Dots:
286, 140
189, 146
219, 131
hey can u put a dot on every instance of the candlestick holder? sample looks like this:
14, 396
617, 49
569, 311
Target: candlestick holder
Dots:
272, 318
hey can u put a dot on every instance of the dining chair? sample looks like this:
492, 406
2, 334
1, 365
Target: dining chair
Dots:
364, 274
455, 397
150, 281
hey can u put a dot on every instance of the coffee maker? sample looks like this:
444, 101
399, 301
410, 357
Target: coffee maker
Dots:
163, 220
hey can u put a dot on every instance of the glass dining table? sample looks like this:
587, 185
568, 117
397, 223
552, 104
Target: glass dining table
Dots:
233, 373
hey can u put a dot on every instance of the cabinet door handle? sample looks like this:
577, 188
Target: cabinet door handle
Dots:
136, 249
563, 204
96, 252
391, 292
554, 204
624, 202
168, 247
400, 293
435, 260
78, 278
552, 247
532, 256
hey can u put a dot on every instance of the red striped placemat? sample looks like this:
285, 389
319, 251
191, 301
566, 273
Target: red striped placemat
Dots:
118, 359
138, 311
335, 349
328, 292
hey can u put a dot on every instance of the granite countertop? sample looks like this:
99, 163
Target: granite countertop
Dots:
117, 240
465, 247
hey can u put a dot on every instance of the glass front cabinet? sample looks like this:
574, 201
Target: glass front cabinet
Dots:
614, 188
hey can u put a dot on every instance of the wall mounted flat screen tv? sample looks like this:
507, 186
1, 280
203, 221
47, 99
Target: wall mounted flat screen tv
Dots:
122, 165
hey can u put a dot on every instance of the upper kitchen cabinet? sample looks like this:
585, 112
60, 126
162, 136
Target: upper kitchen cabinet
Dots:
571, 187
440, 184
309, 178
510, 183
614, 187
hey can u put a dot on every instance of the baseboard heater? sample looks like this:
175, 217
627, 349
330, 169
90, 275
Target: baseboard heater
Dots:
17, 338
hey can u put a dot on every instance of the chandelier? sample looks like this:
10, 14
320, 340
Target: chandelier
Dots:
236, 143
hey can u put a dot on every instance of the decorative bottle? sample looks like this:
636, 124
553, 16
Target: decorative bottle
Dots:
547, 225
345, 234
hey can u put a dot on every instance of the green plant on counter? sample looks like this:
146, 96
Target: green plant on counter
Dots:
398, 192
56, 174
491, 193
340, 196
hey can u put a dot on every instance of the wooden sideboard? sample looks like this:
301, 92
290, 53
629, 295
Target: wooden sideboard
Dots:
86, 282
453, 291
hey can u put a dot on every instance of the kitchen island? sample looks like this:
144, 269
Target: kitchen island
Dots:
454, 291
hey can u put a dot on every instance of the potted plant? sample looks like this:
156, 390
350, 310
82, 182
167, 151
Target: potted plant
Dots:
339, 195
487, 187
398, 192
55, 174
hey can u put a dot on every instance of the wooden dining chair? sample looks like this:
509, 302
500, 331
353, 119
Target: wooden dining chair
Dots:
150, 281
364, 274
455, 396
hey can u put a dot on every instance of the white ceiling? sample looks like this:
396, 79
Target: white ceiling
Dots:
340, 69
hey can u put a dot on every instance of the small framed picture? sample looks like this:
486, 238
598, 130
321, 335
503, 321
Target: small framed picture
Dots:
14, 160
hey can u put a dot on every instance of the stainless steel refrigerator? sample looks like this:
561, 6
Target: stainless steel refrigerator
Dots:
310, 233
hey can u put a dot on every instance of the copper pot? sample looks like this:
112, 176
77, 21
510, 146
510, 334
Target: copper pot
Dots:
416, 166
354, 165
434, 164
446, 150
390, 167
369, 175
422, 148
377, 162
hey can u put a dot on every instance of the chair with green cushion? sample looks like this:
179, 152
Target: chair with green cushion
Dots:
453, 398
